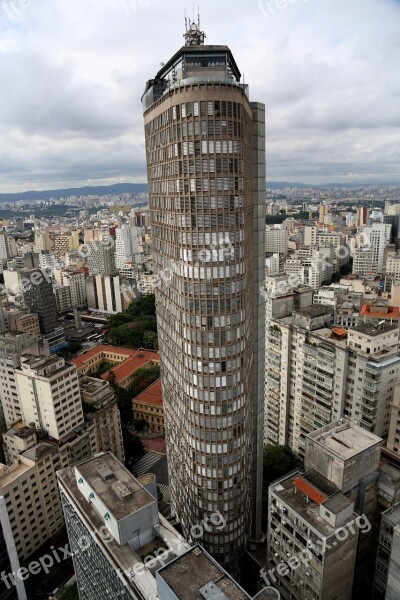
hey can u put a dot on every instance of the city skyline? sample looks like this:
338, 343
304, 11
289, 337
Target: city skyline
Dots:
71, 112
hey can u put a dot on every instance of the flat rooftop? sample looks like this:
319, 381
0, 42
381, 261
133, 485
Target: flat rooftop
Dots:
372, 329
91, 385
302, 494
344, 439
127, 559
106, 476
188, 574
10, 474
314, 310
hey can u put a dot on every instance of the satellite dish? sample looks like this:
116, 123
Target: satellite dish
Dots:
162, 64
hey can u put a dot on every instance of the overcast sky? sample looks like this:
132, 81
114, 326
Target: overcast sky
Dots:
72, 73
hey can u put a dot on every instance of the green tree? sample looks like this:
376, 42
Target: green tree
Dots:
277, 461
145, 305
345, 269
150, 340
139, 424
133, 446
124, 402
69, 592
70, 350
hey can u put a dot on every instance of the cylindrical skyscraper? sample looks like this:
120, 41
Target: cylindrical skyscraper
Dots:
205, 147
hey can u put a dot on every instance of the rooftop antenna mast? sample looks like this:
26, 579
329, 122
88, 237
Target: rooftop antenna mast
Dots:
193, 35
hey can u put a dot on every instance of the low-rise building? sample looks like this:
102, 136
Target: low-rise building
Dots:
148, 406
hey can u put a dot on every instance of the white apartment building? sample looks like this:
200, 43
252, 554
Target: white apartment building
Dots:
29, 488
49, 395
127, 245
47, 261
62, 295
272, 265
317, 373
363, 262
76, 281
146, 283
311, 265
276, 239
13, 345
13, 282
350, 458
282, 296
378, 236
28, 481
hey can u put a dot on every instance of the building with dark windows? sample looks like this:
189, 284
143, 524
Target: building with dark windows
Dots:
39, 296
205, 146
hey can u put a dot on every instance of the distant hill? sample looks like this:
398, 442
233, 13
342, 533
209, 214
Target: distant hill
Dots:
138, 188
92, 190
278, 185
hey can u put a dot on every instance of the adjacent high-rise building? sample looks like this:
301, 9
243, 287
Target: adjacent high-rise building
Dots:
318, 373
126, 245
100, 257
377, 237
276, 239
64, 420
13, 345
205, 145
118, 518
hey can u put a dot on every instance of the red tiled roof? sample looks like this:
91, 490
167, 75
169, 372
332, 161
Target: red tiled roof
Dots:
131, 364
309, 490
80, 361
392, 313
152, 394
339, 332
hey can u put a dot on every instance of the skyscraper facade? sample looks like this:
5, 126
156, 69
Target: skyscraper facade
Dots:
205, 147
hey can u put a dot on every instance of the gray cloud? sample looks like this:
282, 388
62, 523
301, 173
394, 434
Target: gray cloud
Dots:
72, 74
